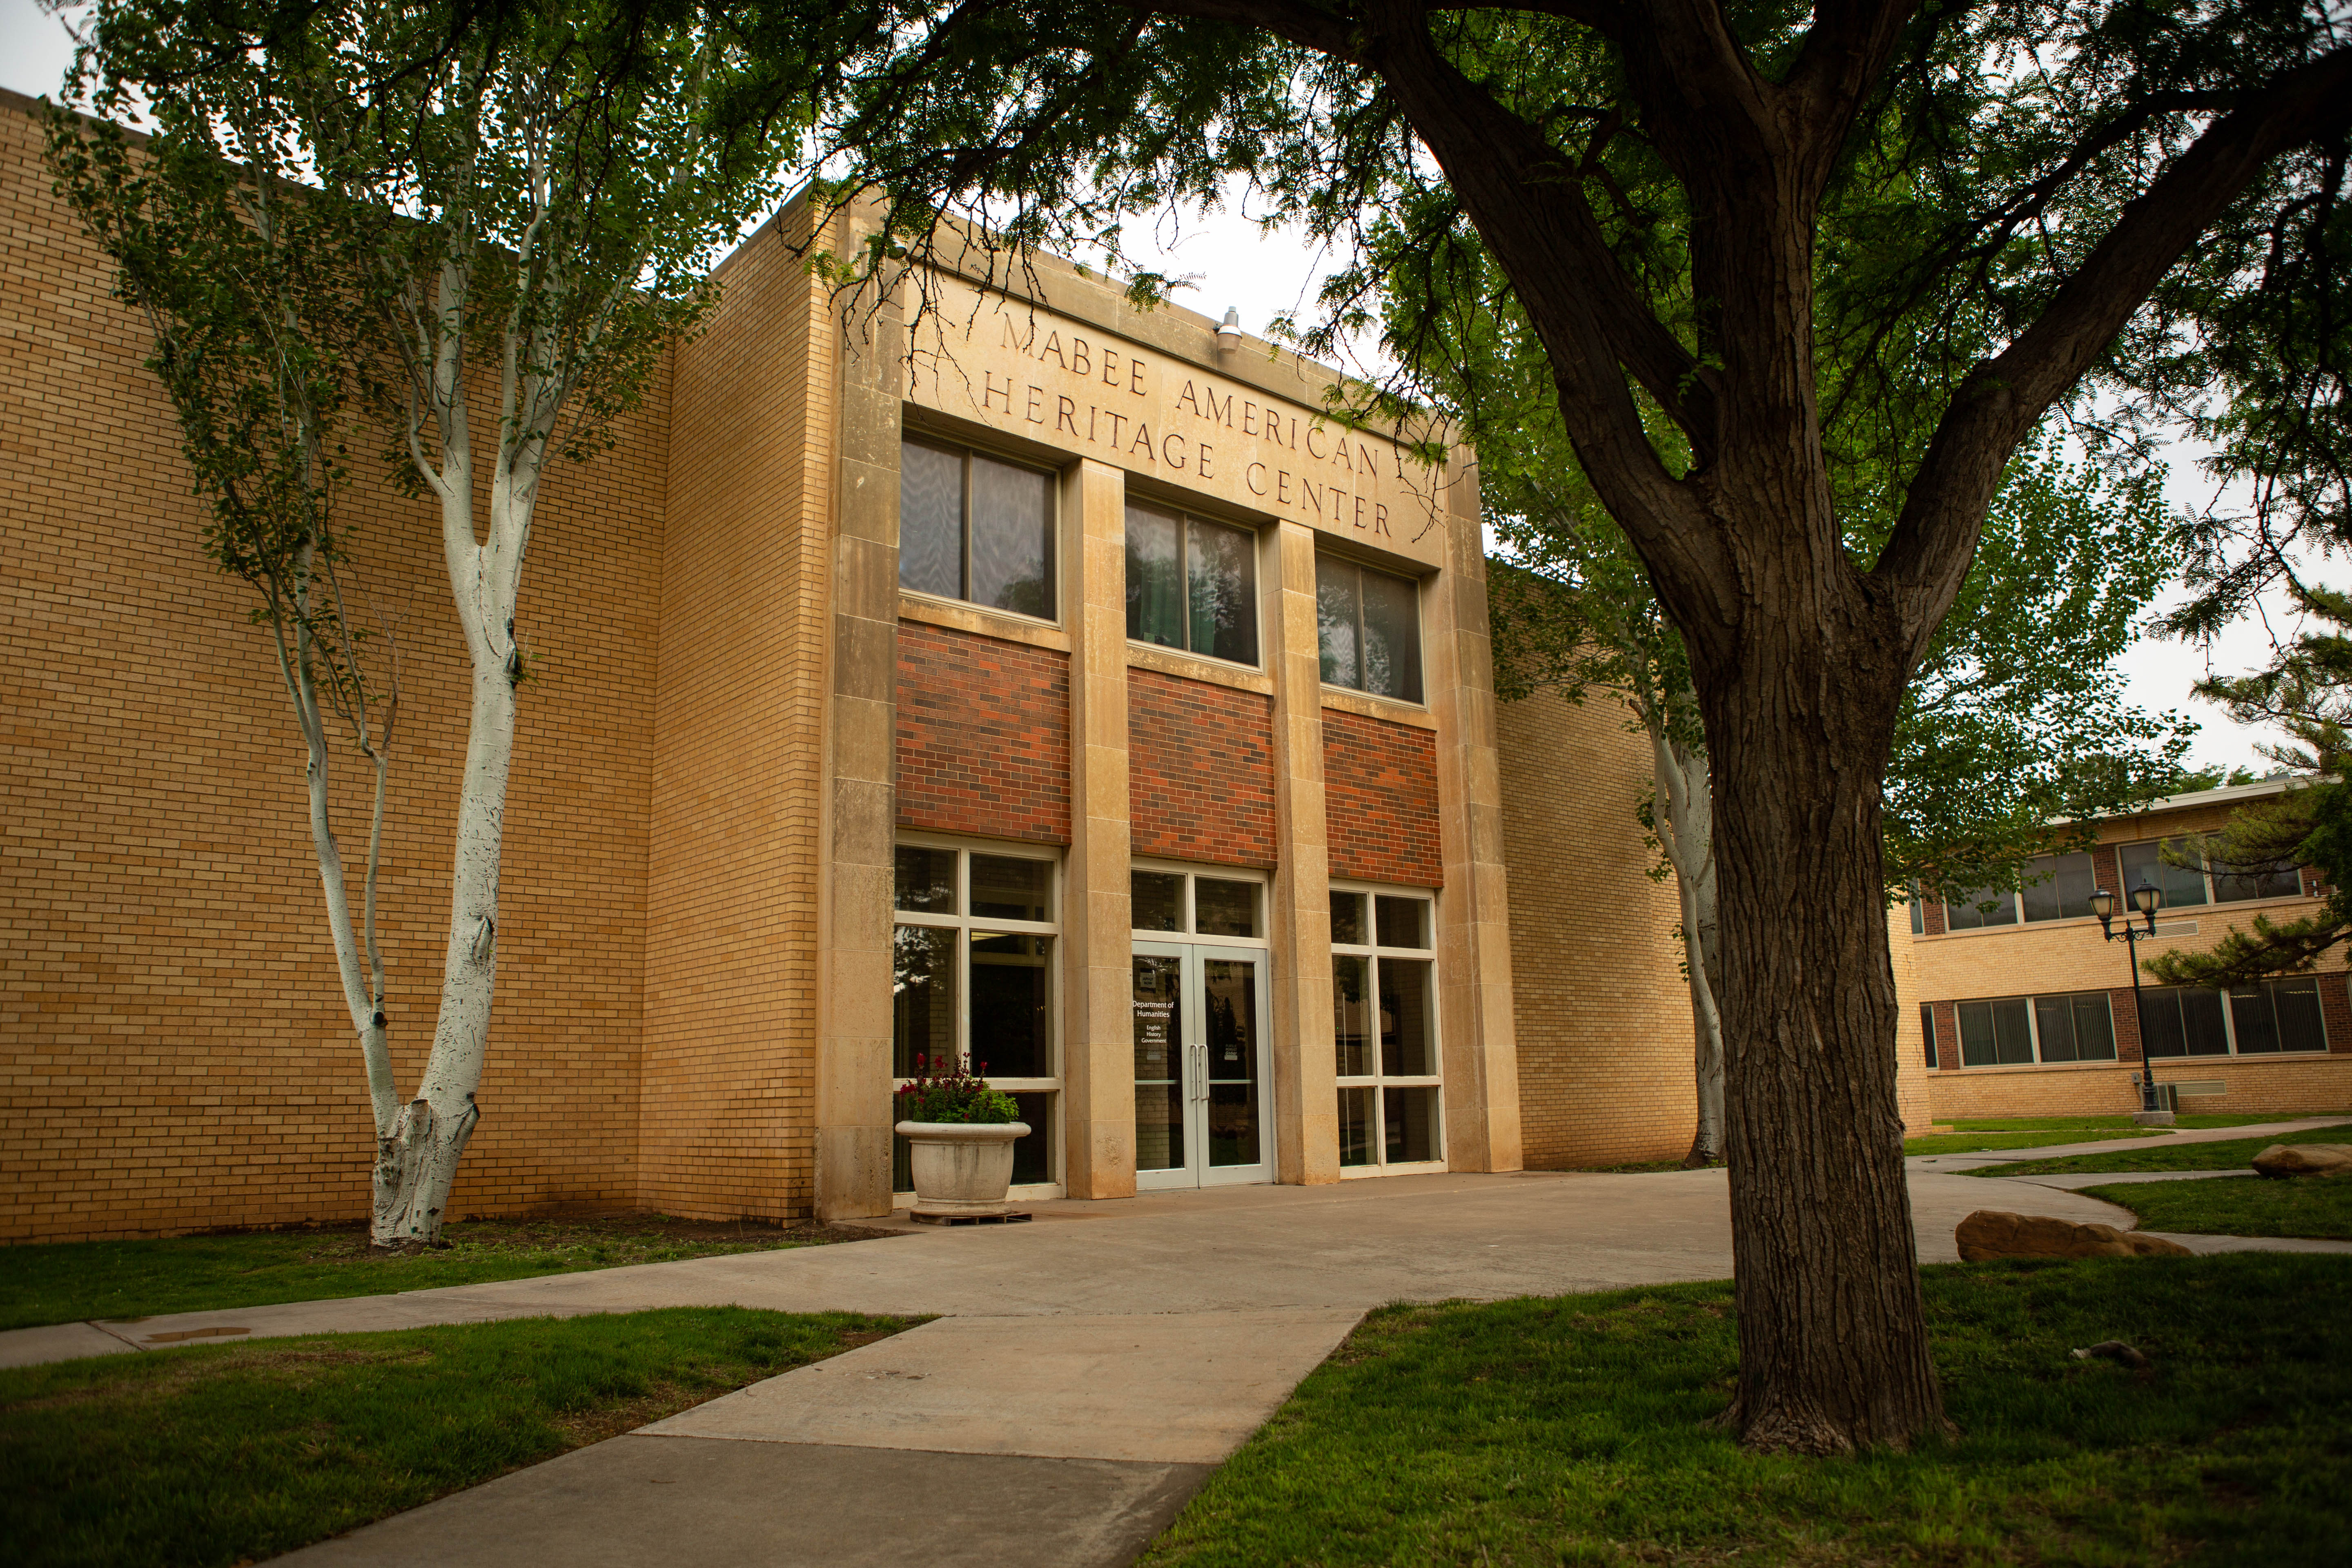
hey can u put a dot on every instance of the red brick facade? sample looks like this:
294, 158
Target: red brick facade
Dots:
1200, 771
983, 736
2335, 1013
1380, 793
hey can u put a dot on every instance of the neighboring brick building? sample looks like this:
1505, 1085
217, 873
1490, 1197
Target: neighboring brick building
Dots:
2018, 1006
898, 688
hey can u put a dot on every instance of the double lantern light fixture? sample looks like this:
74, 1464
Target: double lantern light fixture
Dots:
2145, 898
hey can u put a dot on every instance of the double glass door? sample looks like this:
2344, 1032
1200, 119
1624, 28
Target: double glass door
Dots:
1199, 1066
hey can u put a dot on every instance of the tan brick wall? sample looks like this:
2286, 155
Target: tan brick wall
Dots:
174, 1051
2289, 1085
728, 1120
1604, 1015
2051, 956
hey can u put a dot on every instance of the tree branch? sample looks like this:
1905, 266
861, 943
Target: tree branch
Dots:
2002, 400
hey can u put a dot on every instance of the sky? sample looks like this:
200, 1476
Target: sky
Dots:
1231, 263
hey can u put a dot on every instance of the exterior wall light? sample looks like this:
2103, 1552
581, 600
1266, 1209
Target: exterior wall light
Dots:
1229, 331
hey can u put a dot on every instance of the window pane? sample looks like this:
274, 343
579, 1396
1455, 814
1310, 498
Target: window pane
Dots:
1976, 1035
1229, 1002
2300, 1025
2064, 891
1033, 1157
1009, 1019
1351, 1030
2236, 884
1158, 899
1356, 1127
1338, 616
1155, 608
1011, 537
2012, 1033
1159, 1064
924, 880
1004, 889
2256, 1026
902, 1164
2094, 1028
1918, 915
2183, 886
2159, 1025
1407, 1050
930, 521
1225, 908
1391, 636
923, 1012
1405, 922
1348, 920
1410, 1117
1927, 1027
2201, 1022
1981, 908
2054, 1021
1223, 579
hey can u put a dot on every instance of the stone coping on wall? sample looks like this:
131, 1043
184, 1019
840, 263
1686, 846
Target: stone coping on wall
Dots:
982, 622
1413, 715
1192, 667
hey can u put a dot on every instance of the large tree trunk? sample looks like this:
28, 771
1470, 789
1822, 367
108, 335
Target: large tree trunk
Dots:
1833, 1337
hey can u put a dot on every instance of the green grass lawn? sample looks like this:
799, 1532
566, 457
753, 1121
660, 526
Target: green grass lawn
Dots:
2220, 1154
2241, 1206
1974, 1143
2069, 1123
72, 1281
218, 1456
1575, 1430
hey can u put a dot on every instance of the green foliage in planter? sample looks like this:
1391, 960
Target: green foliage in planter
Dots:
953, 1096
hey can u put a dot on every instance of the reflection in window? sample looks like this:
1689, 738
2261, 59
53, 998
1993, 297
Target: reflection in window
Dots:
2275, 1017
1384, 1028
1225, 908
1006, 888
1158, 899
2059, 887
2183, 886
1009, 1005
924, 880
1367, 629
968, 992
976, 528
923, 993
1191, 585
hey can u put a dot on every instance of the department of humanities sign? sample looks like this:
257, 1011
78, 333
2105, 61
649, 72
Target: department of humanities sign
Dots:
1018, 368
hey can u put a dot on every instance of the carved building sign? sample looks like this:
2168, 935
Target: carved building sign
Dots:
1019, 368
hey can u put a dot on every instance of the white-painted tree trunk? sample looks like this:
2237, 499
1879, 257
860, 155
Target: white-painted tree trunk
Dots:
417, 1158
1684, 820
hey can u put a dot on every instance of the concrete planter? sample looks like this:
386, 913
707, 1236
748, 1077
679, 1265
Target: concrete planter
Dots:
961, 1167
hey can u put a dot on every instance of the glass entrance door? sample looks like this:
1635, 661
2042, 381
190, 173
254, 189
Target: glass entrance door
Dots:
1200, 1067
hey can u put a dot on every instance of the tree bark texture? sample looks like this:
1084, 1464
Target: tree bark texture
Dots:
1833, 1336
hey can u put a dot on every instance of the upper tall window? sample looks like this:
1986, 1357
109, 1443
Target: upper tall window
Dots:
1368, 628
2193, 885
976, 528
1191, 585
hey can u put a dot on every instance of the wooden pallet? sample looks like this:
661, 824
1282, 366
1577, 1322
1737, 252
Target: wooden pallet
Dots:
1009, 1216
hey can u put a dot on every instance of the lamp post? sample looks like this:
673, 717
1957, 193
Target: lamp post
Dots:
2145, 898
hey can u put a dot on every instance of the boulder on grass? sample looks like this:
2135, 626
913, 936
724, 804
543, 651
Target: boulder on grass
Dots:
2283, 1160
1996, 1233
